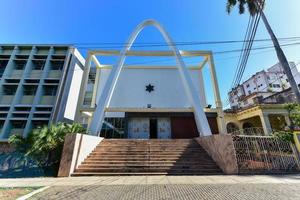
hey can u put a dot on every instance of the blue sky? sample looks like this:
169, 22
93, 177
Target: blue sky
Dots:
111, 21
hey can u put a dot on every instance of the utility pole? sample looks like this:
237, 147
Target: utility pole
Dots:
280, 54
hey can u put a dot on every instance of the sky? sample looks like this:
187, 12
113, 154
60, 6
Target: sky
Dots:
107, 24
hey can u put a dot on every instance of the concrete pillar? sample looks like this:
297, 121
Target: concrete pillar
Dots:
287, 120
265, 123
219, 106
84, 81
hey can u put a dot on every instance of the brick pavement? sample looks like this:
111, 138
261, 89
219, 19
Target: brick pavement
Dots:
249, 191
164, 187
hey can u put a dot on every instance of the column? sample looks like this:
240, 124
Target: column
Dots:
219, 106
287, 120
265, 123
83, 86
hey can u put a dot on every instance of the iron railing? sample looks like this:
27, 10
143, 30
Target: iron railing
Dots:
258, 131
265, 155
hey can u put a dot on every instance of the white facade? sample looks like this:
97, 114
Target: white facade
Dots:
262, 85
169, 93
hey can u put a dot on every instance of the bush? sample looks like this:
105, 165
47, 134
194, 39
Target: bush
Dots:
45, 144
286, 136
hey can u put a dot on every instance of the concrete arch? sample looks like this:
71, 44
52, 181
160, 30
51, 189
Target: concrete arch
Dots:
106, 95
232, 127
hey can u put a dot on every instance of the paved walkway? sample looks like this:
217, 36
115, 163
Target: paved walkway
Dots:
164, 187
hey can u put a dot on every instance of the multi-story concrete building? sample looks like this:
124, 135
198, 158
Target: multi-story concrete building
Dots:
35, 83
261, 85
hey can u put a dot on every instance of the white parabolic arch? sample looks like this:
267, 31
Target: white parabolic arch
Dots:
193, 96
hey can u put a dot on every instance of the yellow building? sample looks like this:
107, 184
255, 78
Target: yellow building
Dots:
260, 119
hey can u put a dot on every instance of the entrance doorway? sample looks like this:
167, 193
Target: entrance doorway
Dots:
153, 128
149, 128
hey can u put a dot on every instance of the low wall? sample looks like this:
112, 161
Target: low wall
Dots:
76, 148
5, 147
221, 148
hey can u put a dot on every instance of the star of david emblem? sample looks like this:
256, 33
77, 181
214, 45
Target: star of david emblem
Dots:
149, 88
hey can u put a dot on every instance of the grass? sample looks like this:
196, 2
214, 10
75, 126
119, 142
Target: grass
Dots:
10, 193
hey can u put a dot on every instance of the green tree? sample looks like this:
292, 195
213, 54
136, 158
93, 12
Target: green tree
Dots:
45, 144
256, 7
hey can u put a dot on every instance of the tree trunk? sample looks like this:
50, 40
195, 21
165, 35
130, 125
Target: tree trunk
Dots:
282, 59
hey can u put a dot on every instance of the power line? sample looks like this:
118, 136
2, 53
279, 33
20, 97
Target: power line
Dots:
244, 43
180, 43
247, 50
218, 53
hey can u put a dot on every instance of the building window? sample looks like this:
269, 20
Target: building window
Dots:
247, 85
88, 98
270, 85
249, 92
57, 65
10, 89
38, 64
113, 128
50, 90
1, 123
276, 85
39, 124
20, 64
287, 80
18, 124
30, 90
92, 77
3, 62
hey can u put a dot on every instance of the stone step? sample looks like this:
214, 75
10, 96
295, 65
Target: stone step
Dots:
142, 173
147, 152
149, 147
140, 170
149, 157
162, 160
207, 162
133, 157
149, 140
148, 165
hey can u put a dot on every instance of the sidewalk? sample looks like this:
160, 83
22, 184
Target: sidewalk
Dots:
150, 180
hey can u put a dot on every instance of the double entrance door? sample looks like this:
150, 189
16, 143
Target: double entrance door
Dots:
149, 128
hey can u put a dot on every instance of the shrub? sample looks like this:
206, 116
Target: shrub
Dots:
45, 144
286, 136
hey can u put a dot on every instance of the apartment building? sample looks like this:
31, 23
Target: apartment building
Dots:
262, 85
36, 82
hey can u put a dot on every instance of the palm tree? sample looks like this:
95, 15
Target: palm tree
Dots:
45, 144
256, 7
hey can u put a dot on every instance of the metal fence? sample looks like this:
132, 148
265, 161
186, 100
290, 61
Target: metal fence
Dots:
249, 131
265, 155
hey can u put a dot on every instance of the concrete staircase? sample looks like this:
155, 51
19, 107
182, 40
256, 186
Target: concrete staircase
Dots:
148, 157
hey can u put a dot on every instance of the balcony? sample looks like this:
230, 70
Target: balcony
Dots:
27, 99
55, 74
47, 100
7, 99
36, 74
17, 73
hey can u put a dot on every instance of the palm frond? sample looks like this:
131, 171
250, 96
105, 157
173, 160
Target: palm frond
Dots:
252, 6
